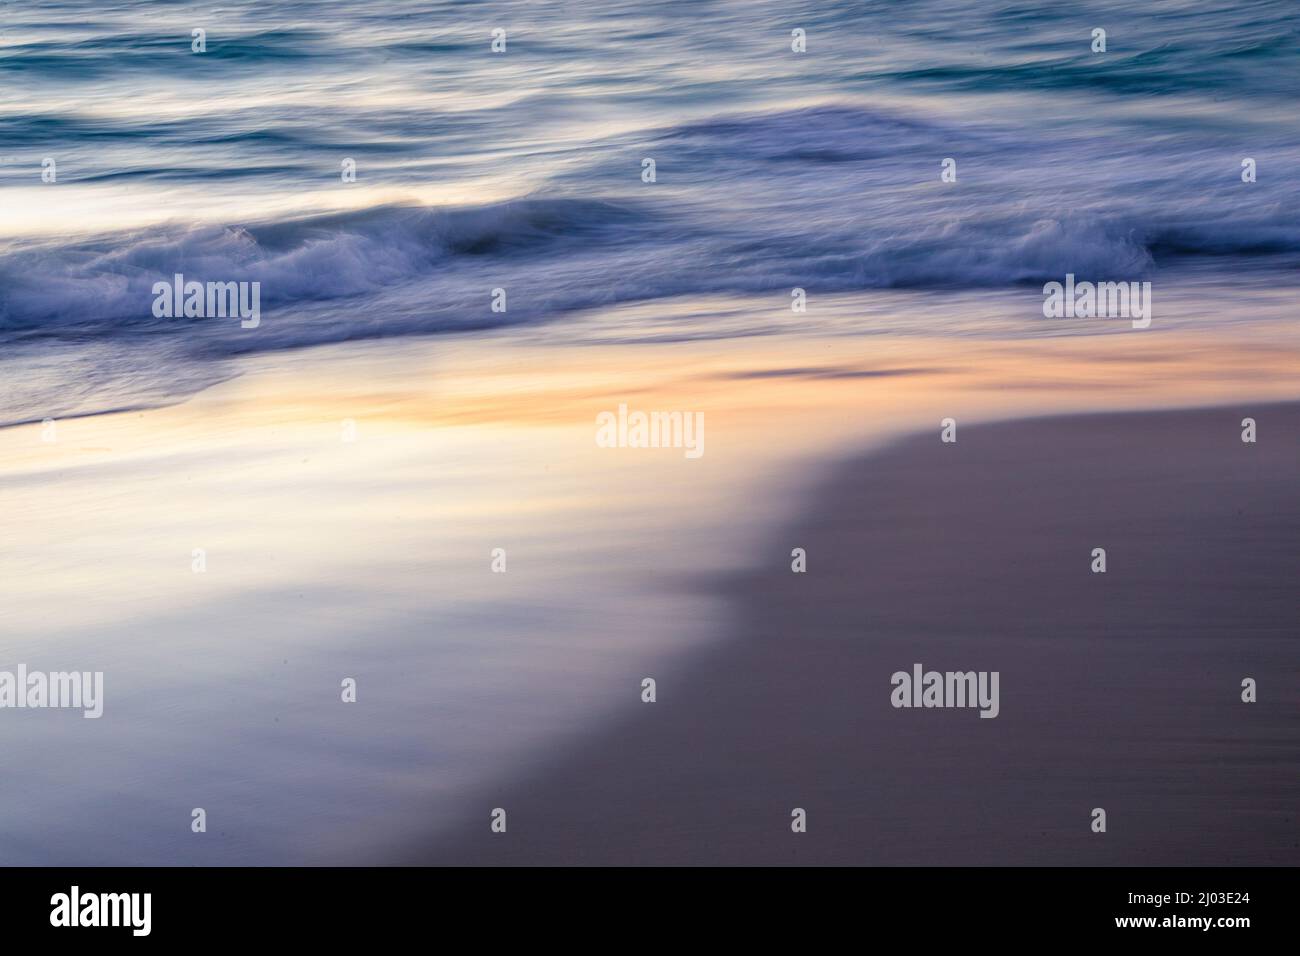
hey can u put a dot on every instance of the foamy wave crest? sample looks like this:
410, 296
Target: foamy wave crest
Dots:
832, 199
49, 288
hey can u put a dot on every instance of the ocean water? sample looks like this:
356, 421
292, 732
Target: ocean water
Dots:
522, 170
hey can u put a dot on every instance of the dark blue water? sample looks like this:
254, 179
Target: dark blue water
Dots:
522, 170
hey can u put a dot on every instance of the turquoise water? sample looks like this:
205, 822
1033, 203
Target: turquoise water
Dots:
522, 169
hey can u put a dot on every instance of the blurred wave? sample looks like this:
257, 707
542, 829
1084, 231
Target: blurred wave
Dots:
523, 170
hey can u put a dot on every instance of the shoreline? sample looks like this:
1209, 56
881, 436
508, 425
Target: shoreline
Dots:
1119, 690
622, 561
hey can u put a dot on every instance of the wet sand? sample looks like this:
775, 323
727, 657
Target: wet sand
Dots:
1119, 690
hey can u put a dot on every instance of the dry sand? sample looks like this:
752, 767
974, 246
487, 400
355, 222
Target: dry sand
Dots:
1119, 690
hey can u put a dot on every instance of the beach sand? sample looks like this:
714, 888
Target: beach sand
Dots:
1119, 691
348, 500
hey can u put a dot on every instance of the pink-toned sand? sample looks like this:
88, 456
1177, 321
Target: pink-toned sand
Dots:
1119, 690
